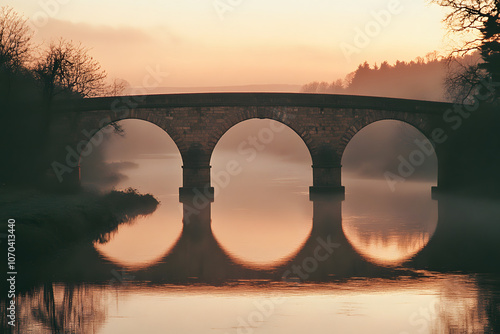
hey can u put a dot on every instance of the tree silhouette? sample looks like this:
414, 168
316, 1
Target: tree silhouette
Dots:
481, 20
15, 40
15, 46
419, 79
30, 81
66, 67
67, 70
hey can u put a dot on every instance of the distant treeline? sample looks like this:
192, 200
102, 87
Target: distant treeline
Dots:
419, 79
469, 159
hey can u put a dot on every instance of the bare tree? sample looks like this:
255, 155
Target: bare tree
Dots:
68, 68
116, 88
311, 87
481, 20
15, 40
464, 77
324, 87
15, 48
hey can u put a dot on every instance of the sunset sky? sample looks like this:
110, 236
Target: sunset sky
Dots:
237, 42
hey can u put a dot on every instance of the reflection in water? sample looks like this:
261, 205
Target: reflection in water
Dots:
261, 214
143, 241
327, 273
460, 304
386, 218
466, 237
61, 308
157, 170
325, 284
388, 227
437, 304
268, 222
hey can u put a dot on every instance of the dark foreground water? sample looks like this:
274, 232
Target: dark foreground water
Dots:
275, 262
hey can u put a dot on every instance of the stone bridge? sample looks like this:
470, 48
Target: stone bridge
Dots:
196, 122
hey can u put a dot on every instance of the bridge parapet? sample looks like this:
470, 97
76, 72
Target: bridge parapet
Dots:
196, 122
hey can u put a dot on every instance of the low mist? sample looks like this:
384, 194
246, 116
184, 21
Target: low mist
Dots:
376, 149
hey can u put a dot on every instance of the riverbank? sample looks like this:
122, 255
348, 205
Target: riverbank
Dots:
47, 222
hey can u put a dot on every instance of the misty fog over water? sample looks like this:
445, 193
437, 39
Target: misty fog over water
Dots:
262, 215
262, 221
343, 221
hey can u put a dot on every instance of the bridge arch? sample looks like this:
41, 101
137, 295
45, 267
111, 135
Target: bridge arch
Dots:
273, 114
326, 168
141, 137
389, 204
422, 125
196, 122
88, 128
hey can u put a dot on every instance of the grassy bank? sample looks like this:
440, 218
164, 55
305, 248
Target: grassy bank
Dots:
48, 222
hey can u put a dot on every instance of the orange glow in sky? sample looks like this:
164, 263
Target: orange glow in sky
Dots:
224, 43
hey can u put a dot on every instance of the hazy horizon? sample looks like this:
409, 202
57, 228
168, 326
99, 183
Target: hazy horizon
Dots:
258, 213
253, 43
269, 88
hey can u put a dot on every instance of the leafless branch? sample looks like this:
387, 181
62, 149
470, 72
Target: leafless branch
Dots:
15, 39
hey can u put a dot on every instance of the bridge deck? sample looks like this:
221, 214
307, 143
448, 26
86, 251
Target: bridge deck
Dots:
254, 100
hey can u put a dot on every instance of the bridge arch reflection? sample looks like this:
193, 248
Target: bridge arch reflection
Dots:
261, 171
149, 163
387, 217
197, 256
325, 254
